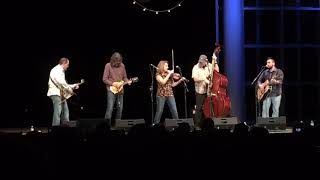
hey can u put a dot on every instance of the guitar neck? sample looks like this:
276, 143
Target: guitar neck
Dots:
128, 82
125, 83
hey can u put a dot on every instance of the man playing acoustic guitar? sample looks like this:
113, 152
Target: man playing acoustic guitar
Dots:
59, 90
270, 88
115, 77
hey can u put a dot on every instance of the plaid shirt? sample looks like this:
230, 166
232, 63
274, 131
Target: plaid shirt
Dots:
277, 74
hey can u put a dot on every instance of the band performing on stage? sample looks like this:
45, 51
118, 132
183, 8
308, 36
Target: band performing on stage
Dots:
211, 94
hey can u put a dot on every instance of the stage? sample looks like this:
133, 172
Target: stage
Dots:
45, 130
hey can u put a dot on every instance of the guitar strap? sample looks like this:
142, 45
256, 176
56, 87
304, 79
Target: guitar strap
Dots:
54, 83
62, 99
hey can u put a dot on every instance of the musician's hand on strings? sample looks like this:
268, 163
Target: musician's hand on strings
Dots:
129, 82
69, 90
273, 81
170, 72
116, 84
76, 86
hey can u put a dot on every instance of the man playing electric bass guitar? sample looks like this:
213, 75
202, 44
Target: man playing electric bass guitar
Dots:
270, 88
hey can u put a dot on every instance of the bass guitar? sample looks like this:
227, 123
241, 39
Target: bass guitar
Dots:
116, 90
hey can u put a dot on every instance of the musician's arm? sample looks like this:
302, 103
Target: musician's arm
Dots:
59, 78
163, 80
177, 82
106, 75
259, 81
196, 77
215, 63
74, 86
278, 79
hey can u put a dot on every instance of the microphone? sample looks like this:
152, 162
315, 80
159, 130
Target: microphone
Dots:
153, 66
185, 79
264, 67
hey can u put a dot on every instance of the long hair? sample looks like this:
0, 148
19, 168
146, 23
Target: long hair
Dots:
116, 59
160, 69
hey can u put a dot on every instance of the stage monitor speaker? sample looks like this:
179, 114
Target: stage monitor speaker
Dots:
126, 124
90, 125
171, 124
272, 123
226, 122
69, 124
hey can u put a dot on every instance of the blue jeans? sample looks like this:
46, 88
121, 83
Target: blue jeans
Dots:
60, 110
275, 101
112, 98
160, 105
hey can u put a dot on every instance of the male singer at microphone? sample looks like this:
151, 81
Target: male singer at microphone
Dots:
273, 78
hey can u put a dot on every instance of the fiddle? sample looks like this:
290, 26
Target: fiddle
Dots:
177, 76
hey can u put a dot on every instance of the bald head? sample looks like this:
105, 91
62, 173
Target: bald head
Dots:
64, 62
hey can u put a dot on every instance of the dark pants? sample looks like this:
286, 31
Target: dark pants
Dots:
200, 98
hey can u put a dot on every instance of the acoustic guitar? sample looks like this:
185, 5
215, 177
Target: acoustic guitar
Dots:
66, 93
263, 90
116, 90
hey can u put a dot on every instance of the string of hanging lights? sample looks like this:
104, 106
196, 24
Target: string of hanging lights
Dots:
144, 8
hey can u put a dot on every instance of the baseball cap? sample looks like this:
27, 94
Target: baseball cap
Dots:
203, 58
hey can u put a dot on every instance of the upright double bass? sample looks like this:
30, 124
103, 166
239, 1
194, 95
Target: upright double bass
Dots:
217, 103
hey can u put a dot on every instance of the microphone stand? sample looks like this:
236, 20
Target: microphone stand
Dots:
185, 94
151, 92
258, 110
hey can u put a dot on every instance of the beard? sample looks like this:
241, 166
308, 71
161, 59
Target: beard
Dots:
116, 64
